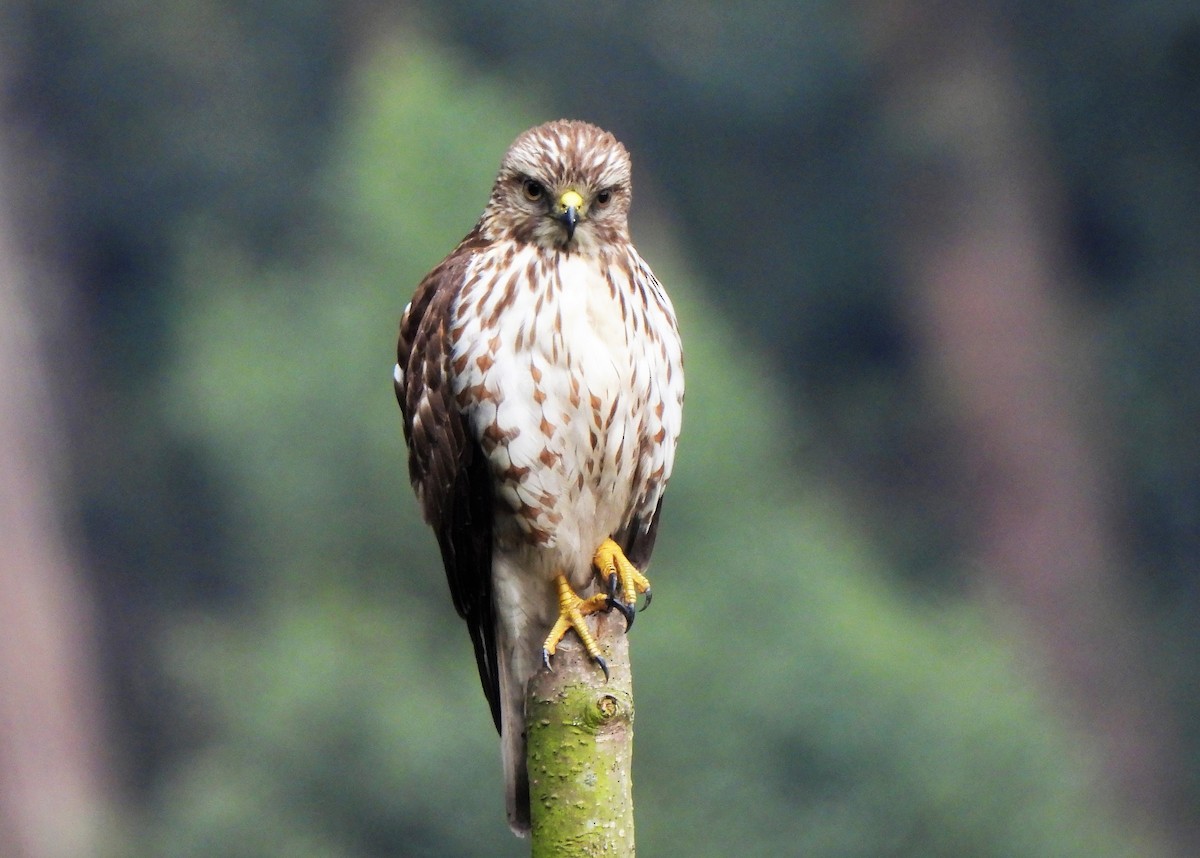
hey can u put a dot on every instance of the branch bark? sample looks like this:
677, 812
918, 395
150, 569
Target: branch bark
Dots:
580, 735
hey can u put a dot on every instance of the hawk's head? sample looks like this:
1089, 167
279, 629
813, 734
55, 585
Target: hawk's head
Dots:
564, 185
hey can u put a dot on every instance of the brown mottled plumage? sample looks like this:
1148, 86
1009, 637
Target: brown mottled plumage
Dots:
540, 377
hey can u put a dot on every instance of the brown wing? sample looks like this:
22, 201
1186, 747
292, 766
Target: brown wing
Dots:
637, 538
446, 466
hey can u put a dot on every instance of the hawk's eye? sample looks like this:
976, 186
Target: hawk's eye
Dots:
534, 190
604, 197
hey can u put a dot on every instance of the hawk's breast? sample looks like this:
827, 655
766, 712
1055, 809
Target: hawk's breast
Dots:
547, 365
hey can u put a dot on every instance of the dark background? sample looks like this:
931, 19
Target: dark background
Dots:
927, 581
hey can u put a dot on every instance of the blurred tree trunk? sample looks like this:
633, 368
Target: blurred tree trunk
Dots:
975, 218
50, 783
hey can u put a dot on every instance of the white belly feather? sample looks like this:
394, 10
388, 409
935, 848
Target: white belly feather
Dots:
557, 395
567, 402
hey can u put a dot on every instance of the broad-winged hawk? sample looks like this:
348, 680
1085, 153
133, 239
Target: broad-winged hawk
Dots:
540, 377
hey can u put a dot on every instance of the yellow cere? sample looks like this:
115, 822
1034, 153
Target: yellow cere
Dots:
571, 199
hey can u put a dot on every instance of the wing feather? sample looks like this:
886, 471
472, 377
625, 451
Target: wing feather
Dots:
637, 538
447, 468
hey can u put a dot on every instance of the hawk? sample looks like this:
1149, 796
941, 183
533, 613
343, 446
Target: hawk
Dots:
540, 376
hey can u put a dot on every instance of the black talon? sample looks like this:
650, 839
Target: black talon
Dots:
649, 596
546, 660
626, 610
603, 666
613, 602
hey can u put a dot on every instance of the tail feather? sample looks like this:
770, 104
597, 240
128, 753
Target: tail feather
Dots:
513, 684
516, 781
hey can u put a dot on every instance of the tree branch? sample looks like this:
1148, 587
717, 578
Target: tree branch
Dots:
580, 735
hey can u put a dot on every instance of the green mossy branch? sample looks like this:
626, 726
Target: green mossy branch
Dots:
580, 733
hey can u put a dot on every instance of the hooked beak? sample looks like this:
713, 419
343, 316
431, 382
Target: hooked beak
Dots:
569, 205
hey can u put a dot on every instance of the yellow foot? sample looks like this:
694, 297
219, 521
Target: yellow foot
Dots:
571, 611
622, 579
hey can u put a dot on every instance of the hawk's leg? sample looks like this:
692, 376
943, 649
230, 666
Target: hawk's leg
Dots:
571, 611
621, 578
623, 582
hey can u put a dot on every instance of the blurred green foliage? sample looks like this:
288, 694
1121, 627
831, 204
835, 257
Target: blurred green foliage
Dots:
790, 700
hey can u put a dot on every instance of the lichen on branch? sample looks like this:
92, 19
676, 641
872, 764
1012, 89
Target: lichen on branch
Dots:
580, 750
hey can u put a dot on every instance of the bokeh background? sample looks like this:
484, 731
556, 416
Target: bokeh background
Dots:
927, 580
